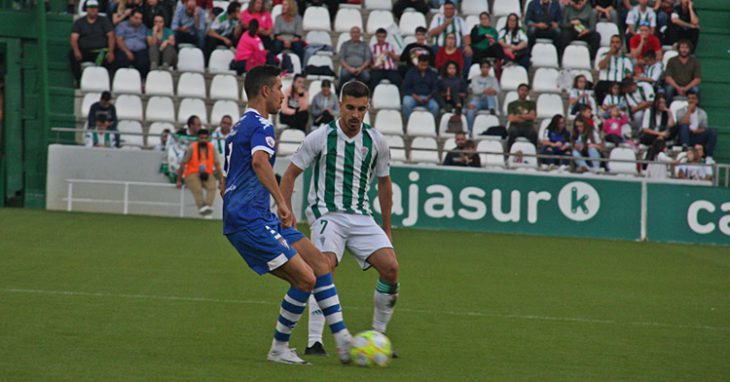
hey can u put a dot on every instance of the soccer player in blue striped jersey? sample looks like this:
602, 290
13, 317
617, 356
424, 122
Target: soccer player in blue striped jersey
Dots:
347, 155
270, 244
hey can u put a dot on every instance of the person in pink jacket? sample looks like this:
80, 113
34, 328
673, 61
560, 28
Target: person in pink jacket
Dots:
613, 125
250, 51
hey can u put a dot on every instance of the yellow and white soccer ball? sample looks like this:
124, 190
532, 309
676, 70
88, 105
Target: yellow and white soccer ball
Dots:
371, 348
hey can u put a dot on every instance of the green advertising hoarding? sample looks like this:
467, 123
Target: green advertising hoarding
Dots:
690, 214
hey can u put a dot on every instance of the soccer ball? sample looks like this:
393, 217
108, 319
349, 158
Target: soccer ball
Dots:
371, 348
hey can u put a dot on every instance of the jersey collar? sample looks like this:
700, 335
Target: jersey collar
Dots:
344, 136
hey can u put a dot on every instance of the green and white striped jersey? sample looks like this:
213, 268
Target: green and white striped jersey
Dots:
617, 69
343, 168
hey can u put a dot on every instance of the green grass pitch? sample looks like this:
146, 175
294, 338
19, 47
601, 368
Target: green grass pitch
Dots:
87, 297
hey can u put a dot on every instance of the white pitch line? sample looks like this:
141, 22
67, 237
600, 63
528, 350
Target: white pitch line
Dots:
400, 309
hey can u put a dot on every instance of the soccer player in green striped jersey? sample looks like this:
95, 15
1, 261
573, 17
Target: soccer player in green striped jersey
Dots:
347, 155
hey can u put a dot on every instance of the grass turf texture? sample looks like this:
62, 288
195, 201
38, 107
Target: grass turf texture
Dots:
103, 297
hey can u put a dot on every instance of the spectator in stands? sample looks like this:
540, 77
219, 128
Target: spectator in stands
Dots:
416, 49
543, 19
220, 134
161, 42
579, 23
222, 30
683, 73
644, 42
418, 5
693, 168
288, 31
586, 143
256, 11
162, 146
419, 88
132, 44
484, 89
639, 14
102, 137
685, 24
189, 24
580, 94
662, 161
452, 88
152, 9
325, 107
637, 101
192, 126
294, 108
606, 10
92, 39
464, 154
613, 126
615, 98
355, 58
521, 115
250, 51
104, 7
448, 22
123, 10
485, 42
384, 65
693, 126
103, 107
514, 42
197, 169
556, 141
658, 122
450, 53
652, 70
613, 67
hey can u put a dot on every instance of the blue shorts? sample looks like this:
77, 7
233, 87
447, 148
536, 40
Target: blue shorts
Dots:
266, 247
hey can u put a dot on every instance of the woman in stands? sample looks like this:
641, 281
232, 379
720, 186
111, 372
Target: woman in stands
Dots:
581, 94
586, 143
514, 42
161, 42
250, 51
256, 11
450, 52
556, 142
658, 122
295, 106
288, 32
485, 43
452, 88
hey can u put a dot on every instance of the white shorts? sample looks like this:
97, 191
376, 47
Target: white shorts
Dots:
333, 232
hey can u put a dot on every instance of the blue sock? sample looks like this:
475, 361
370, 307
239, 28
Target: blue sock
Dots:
291, 310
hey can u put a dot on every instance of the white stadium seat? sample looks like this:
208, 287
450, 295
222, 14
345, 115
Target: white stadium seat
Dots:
505, 7
527, 148
244, 98
508, 98
94, 79
492, 152
316, 18
501, 22
544, 56
542, 133
224, 107
192, 106
409, 21
127, 81
606, 30
576, 57
622, 153
471, 21
449, 145
482, 122
191, 60
289, 141
473, 7
295, 62
512, 77
421, 124
397, 148
676, 105
667, 56
129, 107
159, 82
379, 19
346, 18
389, 122
548, 105
424, 150
321, 60
315, 86
318, 37
191, 85
475, 71
135, 139
156, 128
341, 39
386, 96
89, 99
546, 81
275, 11
379, 4
444, 124
220, 61
160, 109
224, 86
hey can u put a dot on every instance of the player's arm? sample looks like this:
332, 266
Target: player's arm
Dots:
385, 196
287, 187
265, 174
300, 161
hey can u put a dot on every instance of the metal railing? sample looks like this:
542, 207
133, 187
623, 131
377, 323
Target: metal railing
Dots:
125, 202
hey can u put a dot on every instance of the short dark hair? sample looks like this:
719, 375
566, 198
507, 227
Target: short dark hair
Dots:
525, 85
191, 119
326, 84
135, 11
203, 132
423, 57
685, 42
106, 95
381, 30
355, 89
691, 92
650, 54
227, 116
421, 30
448, 2
485, 62
485, 14
233, 6
258, 77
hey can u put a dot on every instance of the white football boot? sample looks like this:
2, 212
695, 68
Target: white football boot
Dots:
285, 355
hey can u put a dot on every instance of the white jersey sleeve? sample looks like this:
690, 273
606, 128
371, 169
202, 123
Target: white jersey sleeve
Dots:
382, 166
309, 149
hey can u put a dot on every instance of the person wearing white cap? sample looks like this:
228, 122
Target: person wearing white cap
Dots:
92, 39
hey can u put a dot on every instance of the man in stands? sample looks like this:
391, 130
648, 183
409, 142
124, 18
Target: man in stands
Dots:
192, 126
639, 14
644, 42
355, 58
384, 65
189, 24
543, 19
638, 101
220, 134
416, 49
521, 115
448, 22
420, 88
152, 8
683, 73
92, 39
102, 137
613, 67
132, 44
693, 129
579, 23
685, 23
197, 170
222, 30
325, 107
162, 146
103, 107
463, 155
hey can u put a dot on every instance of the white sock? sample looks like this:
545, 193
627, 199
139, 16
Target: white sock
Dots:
316, 322
385, 297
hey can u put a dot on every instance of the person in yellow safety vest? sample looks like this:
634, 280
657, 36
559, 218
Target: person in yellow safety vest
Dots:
197, 170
